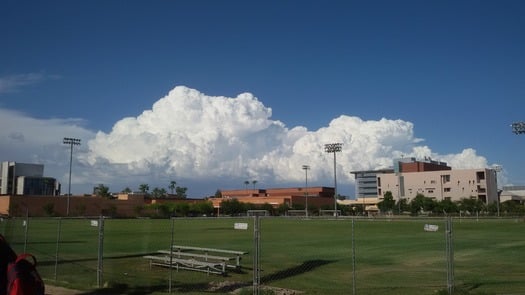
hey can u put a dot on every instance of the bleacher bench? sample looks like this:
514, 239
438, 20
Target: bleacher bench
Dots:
188, 264
185, 257
207, 251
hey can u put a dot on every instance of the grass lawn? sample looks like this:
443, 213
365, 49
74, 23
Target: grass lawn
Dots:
313, 256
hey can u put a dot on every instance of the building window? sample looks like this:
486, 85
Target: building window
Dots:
481, 175
447, 190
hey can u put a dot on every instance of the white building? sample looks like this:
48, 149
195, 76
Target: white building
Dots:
513, 193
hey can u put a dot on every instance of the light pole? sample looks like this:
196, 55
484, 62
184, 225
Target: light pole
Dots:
497, 168
306, 168
334, 148
71, 142
398, 197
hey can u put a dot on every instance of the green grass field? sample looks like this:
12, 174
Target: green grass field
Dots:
312, 256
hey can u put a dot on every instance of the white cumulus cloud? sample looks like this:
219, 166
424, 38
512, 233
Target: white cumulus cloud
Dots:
191, 135
210, 142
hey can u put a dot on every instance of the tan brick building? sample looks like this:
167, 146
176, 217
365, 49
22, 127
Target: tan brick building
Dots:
317, 196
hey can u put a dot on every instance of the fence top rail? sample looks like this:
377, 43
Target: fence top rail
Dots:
178, 247
185, 254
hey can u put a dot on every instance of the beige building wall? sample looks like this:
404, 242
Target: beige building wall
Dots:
440, 185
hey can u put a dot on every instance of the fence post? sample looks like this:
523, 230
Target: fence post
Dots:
171, 252
26, 227
353, 261
449, 255
59, 229
256, 249
100, 251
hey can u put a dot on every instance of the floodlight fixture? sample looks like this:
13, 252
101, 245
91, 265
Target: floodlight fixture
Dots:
334, 148
518, 127
71, 142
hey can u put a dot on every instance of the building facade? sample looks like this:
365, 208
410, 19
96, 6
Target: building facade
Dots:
439, 184
366, 182
26, 179
513, 193
314, 196
410, 177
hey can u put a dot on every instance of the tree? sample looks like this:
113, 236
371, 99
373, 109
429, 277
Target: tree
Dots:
402, 206
49, 209
202, 208
182, 209
218, 194
341, 197
422, 203
446, 207
254, 182
232, 207
246, 182
158, 193
512, 208
127, 190
102, 191
388, 202
172, 185
144, 188
282, 209
180, 192
471, 205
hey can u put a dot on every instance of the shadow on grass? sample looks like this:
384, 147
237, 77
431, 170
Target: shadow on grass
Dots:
306, 266
125, 289
144, 290
217, 287
65, 261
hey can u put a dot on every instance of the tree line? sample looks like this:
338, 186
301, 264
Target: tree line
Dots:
469, 206
177, 192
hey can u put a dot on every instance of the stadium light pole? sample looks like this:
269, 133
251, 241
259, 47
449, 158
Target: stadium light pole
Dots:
306, 168
518, 127
334, 148
71, 142
497, 168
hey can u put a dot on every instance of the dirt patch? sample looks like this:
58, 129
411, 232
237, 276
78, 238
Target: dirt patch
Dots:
54, 290
237, 287
224, 286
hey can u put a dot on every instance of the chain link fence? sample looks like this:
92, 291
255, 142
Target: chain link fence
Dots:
275, 255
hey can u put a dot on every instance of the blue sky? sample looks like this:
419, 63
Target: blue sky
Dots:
453, 70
